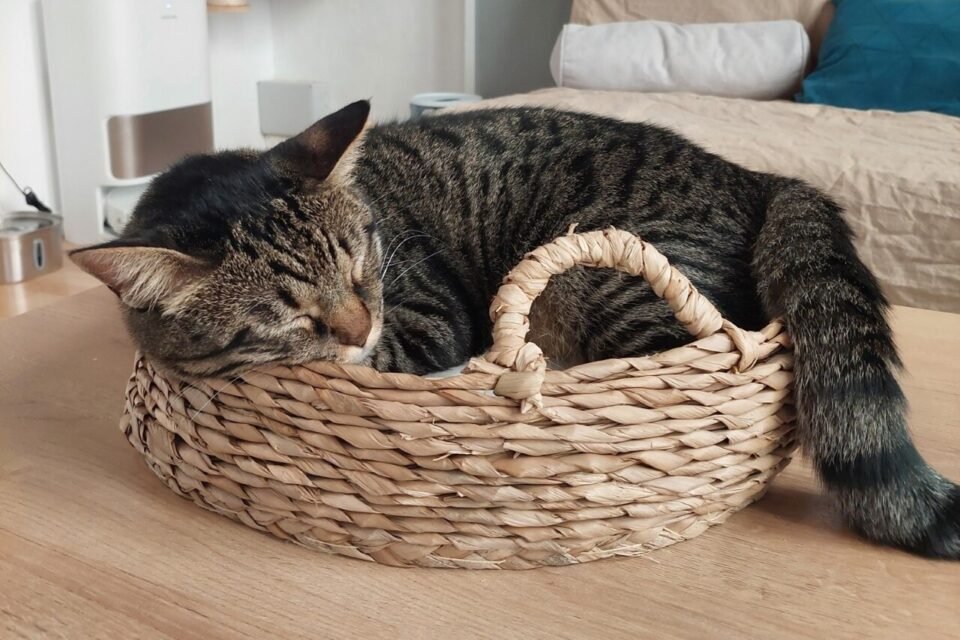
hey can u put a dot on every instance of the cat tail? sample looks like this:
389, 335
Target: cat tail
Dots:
851, 411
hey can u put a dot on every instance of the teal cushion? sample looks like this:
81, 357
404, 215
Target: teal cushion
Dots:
900, 55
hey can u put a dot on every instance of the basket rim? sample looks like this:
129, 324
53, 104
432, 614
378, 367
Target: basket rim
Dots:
773, 333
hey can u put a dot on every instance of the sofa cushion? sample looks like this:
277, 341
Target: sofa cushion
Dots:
759, 60
901, 55
814, 15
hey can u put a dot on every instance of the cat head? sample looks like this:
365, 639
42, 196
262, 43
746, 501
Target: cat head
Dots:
237, 259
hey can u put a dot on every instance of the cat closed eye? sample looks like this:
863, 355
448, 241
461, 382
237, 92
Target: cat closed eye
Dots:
309, 323
320, 328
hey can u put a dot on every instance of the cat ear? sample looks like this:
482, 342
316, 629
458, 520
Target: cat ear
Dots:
141, 276
327, 148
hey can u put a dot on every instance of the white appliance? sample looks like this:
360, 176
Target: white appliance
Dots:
130, 91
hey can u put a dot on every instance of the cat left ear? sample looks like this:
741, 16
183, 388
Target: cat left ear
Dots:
326, 149
141, 276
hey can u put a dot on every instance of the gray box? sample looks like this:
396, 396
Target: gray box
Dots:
289, 107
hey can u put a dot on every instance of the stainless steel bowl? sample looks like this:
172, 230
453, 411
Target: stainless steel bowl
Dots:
30, 245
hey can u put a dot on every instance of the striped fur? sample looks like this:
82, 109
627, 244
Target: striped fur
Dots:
418, 227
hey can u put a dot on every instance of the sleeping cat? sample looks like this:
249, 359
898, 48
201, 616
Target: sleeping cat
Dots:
385, 245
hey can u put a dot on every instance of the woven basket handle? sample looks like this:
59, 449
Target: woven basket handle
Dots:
611, 248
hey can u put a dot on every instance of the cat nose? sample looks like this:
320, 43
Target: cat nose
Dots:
351, 324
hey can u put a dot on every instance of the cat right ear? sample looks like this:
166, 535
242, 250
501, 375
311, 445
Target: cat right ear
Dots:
141, 276
326, 149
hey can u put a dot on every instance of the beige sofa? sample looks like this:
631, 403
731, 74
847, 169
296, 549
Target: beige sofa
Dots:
897, 174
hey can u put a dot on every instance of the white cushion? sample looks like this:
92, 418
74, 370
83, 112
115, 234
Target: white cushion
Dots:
759, 60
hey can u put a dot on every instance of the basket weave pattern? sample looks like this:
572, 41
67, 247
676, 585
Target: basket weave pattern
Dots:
508, 465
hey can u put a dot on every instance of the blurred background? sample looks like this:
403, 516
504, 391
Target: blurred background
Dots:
56, 55
860, 98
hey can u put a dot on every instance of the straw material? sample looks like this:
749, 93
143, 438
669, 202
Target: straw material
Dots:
508, 465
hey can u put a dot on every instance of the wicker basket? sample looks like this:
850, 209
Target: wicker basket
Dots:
506, 466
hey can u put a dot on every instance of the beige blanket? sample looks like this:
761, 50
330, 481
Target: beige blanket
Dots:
897, 174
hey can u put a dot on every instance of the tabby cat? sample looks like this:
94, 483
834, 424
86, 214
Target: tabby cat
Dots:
384, 245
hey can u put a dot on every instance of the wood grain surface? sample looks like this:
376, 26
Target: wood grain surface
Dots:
92, 545
66, 281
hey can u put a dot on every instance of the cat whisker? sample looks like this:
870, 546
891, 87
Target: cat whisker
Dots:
396, 304
399, 304
213, 397
413, 236
412, 266
398, 238
381, 197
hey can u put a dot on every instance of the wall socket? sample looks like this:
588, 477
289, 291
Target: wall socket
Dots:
289, 107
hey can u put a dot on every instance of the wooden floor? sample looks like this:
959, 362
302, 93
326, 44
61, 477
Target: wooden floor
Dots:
92, 545
39, 292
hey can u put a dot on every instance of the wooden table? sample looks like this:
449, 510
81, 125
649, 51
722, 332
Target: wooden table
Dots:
92, 545
53, 287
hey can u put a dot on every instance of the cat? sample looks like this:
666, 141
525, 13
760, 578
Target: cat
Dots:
384, 245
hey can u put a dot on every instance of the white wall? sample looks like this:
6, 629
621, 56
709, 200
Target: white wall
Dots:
241, 54
25, 141
513, 40
386, 50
